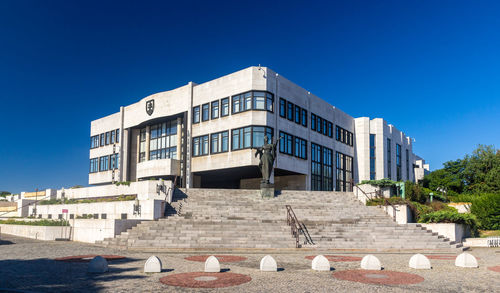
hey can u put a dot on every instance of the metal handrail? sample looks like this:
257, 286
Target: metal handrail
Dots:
297, 227
362, 191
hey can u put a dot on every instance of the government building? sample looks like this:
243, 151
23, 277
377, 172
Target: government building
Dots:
205, 136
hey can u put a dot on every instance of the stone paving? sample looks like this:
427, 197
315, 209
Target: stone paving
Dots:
29, 265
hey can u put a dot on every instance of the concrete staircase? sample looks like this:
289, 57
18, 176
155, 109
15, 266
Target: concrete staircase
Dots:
223, 218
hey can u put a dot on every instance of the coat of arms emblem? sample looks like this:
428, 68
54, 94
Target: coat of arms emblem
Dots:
150, 107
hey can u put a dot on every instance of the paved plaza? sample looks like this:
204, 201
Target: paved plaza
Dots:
28, 265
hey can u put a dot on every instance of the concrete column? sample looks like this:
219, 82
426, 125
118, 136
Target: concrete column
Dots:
138, 146
148, 128
179, 138
187, 141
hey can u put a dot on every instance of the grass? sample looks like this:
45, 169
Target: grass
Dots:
36, 223
488, 233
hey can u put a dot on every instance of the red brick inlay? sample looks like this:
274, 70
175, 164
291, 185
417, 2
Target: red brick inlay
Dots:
378, 277
337, 258
495, 269
221, 258
205, 280
87, 257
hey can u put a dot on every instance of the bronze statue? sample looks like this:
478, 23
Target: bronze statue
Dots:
267, 155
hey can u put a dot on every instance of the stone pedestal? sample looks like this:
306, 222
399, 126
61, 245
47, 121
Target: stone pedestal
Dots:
267, 190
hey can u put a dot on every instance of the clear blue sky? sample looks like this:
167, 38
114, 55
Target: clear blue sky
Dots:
432, 68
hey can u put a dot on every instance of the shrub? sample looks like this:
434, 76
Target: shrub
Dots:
487, 209
380, 183
446, 216
127, 183
36, 223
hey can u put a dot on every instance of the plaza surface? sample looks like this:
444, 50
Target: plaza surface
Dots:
29, 265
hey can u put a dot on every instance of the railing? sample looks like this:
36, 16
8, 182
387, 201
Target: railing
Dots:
378, 194
493, 241
171, 189
296, 227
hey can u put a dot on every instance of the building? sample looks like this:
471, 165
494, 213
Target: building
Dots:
205, 134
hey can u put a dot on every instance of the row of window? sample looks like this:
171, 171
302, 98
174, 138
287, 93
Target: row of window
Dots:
252, 100
321, 168
104, 163
321, 125
344, 136
372, 157
104, 139
293, 112
292, 145
162, 141
345, 167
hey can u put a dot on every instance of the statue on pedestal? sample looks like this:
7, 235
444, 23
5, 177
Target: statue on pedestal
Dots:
267, 155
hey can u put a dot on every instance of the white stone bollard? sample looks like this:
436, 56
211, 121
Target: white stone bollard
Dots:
420, 262
370, 262
153, 265
320, 263
268, 264
98, 265
212, 265
466, 260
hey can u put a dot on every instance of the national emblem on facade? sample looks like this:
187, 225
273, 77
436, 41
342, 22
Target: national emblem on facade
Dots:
150, 107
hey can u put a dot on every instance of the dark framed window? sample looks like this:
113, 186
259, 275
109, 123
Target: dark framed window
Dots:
102, 140
94, 165
304, 117
372, 157
330, 129
407, 164
113, 133
282, 107
142, 145
313, 121
224, 107
200, 146
289, 111
315, 167
344, 173
286, 143
94, 141
297, 114
324, 127
250, 136
344, 136
259, 100
300, 148
389, 160
219, 142
114, 162
319, 123
236, 104
398, 162
205, 112
215, 110
108, 136
117, 135
196, 114
247, 99
269, 102
163, 140
327, 174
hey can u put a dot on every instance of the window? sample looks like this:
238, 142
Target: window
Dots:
102, 139
407, 164
289, 111
142, 145
196, 114
344, 174
321, 168
313, 121
200, 146
215, 109
94, 165
108, 138
248, 101
372, 157
297, 114
94, 141
104, 163
259, 100
286, 143
327, 183
205, 110
269, 102
236, 104
344, 136
330, 130
219, 142
300, 148
117, 135
315, 167
304, 117
113, 137
114, 161
163, 140
251, 136
389, 163
398, 162
319, 122
282, 108
224, 107
325, 127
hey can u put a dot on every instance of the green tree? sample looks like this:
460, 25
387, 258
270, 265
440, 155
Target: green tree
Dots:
4, 193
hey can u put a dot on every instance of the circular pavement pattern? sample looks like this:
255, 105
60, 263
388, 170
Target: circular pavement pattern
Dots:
495, 269
378, 277
337, 258
205, 280
88, 257
221, 258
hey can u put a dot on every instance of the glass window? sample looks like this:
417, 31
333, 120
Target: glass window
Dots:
304, 117
330, 131
236, 139
249, 136
282, 107
113, 137
289, 112
389, 163
313, 121
219, 142
259, 101
269, 102
344, 174
200, 146
196, 114
398, 162
94, 165
297, 114
236, 104
205, 110
224, 107
118, 135
319, 122
196, 146
248, 100
325, 127
215, 109
107, 138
